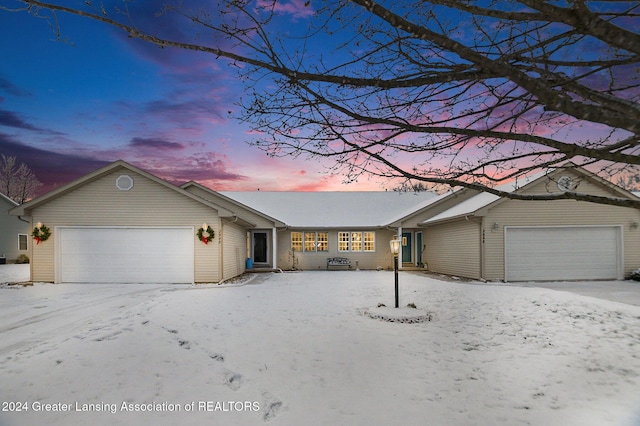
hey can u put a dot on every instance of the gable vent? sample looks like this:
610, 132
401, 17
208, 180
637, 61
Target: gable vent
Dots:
124, 182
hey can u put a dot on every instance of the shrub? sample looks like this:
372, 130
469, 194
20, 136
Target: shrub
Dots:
23, 258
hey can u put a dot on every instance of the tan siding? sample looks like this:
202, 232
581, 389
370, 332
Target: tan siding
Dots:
554, 213
234, 251
318, 260
100, 203
453, 248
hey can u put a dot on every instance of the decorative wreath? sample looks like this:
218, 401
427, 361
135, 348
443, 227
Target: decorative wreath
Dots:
40, 233
206, 233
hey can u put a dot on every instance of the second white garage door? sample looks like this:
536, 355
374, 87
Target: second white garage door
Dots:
125, 255
563, 253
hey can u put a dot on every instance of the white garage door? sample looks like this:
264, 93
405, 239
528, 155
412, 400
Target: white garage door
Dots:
563, 253
125, 255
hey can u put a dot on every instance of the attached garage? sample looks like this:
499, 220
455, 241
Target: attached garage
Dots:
563, 253
125, 255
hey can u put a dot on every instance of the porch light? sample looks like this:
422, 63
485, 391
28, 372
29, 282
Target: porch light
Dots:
39, 225
205, 226
395, 246
395, 250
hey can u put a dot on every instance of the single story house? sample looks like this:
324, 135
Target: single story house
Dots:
14, 232
122, 224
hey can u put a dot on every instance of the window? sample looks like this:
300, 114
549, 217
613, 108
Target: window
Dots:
296, 241
369, 241
357, 241
23, 242
310, 241
343, 241
323, 241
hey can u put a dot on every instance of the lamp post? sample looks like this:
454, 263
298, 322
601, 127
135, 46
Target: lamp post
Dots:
395, 250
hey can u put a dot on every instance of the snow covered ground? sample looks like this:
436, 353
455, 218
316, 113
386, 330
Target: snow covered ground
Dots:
296, 348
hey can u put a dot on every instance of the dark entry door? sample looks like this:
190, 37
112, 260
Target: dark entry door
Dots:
406, 247
260, 247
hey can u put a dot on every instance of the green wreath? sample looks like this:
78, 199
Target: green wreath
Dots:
40, 233
206, 234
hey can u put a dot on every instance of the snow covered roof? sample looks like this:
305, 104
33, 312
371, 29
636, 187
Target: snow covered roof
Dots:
481, 200
334, 209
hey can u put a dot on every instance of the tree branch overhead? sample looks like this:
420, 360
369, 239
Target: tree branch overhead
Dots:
444, 92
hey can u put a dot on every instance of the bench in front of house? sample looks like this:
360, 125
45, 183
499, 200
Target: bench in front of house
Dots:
338, 261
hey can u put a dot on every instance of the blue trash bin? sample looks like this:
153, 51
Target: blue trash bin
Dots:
249, 263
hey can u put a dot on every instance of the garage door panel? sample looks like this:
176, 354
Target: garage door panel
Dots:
562, 253
126, 255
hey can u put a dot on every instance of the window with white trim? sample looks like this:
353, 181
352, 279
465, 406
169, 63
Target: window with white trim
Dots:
357, 241
23, 242
309, 241
323, 241
369, 241
344, 242
296, 241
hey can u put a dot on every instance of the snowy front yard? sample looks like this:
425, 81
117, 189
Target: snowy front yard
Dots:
295, 348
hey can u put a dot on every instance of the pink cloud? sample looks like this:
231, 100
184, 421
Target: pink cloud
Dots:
295, 8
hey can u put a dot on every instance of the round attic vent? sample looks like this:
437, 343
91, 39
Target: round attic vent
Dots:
565, 184
124, 182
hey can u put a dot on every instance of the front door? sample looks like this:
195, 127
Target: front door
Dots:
260, 247
406, 247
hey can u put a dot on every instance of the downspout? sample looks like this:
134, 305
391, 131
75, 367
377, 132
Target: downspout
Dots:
220, 250
274, 245
482, 245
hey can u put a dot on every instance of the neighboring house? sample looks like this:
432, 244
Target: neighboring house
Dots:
121, 224
14, 233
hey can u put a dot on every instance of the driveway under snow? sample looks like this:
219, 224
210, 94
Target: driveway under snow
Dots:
295, 348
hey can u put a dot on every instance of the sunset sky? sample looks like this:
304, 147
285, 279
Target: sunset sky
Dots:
69, 108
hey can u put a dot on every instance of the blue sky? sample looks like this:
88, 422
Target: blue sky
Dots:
67, 108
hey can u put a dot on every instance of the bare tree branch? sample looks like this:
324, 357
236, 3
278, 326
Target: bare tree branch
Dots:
449, 92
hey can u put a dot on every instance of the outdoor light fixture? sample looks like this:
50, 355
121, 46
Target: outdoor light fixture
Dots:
395, 246
634, 225
395, 250
496, 226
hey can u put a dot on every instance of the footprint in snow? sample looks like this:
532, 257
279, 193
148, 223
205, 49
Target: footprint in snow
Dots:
232, 380
217, 357
272, 406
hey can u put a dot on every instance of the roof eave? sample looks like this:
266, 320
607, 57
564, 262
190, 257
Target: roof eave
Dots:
26, 208
277, 223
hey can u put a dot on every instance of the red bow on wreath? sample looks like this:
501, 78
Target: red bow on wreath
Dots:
206, 233
40, 233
